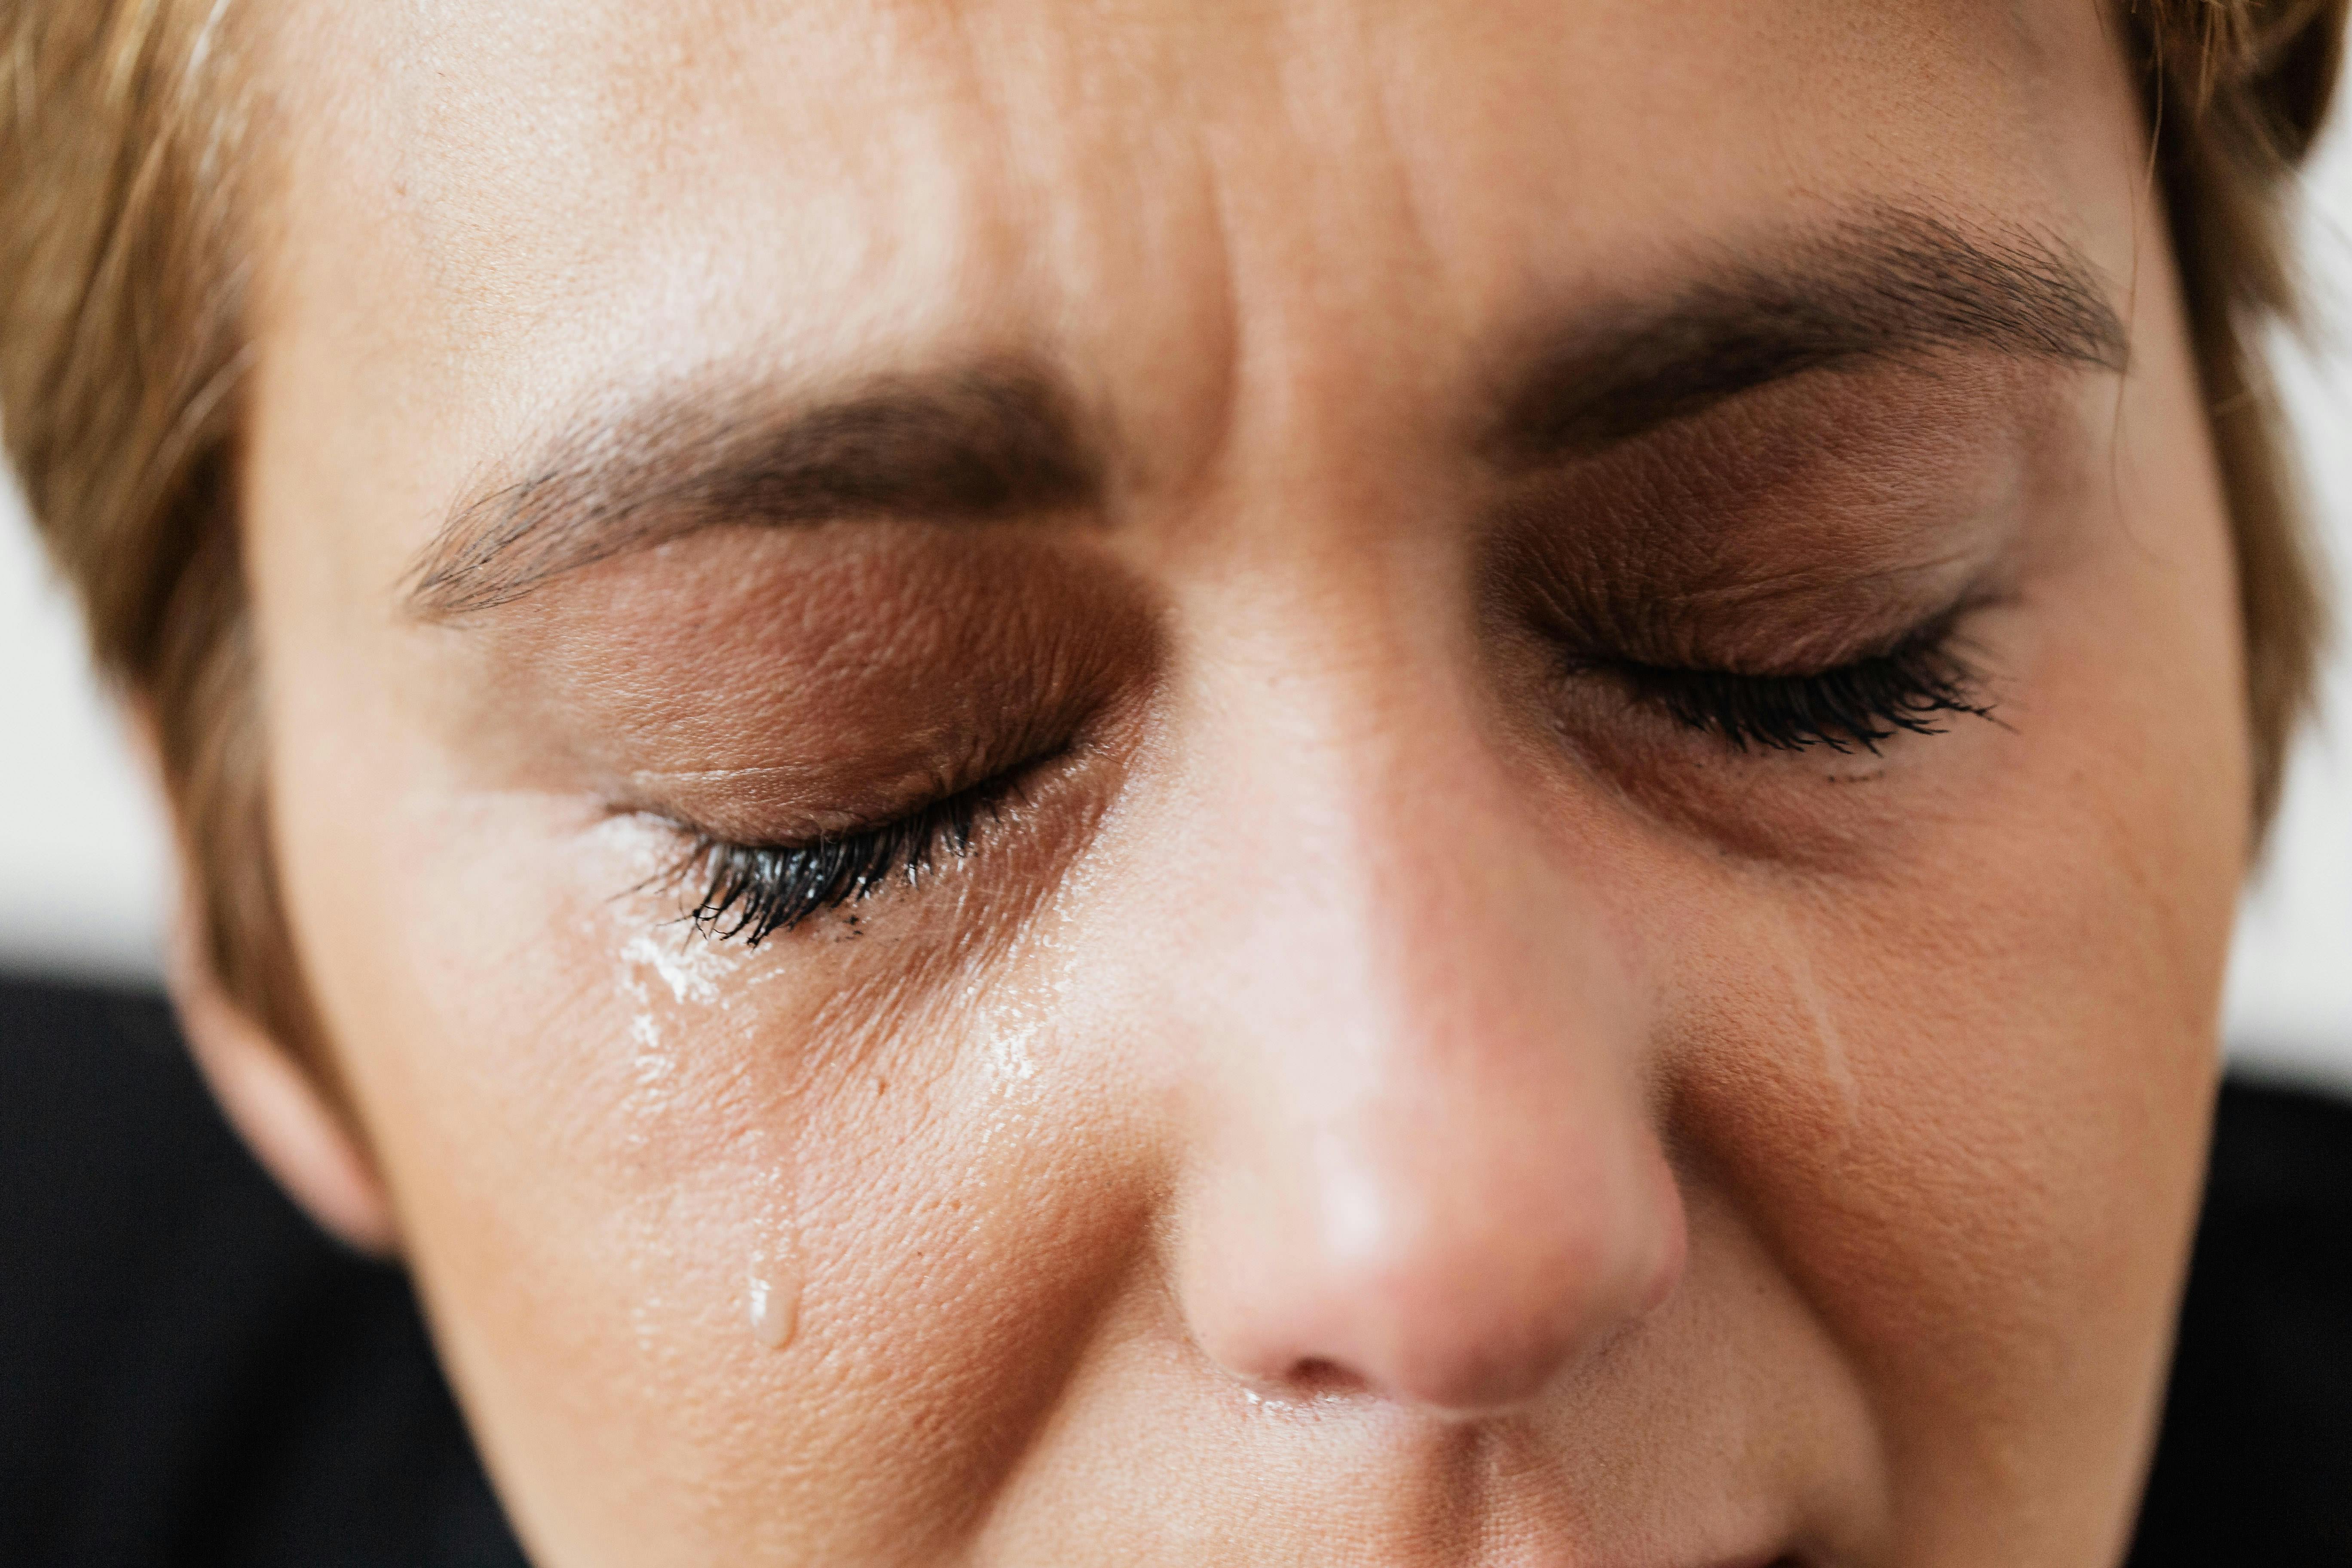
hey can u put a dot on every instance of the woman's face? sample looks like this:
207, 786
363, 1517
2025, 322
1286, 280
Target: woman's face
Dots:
1488, 761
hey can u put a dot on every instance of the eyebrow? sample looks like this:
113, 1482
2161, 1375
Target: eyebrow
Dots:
981, 442
997, 440
1884, 285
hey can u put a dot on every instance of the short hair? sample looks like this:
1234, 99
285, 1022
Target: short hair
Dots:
125, 127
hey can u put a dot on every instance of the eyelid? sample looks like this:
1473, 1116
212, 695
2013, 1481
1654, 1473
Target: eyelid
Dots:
1861, 704
783, 807
752, 891
1041, 775
1906, 684
753, 888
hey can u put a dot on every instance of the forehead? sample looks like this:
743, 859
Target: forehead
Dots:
499, 208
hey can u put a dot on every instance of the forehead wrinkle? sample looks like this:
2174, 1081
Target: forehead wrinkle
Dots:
951, 38
1319, 322
1132, 99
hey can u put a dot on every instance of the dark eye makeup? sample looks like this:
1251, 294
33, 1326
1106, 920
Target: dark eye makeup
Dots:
750, 892
1915, 687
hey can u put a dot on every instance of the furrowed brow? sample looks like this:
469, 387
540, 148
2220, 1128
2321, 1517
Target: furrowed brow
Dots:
1887, 285
969, 445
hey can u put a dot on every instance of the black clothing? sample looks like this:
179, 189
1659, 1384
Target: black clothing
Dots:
2254, 1461
189, 1374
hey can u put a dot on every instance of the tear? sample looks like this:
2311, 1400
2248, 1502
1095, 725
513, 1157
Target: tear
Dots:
774, 1301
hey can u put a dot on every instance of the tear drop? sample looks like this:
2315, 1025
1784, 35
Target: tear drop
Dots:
775, 1307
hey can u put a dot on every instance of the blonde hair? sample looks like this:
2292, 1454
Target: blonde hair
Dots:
123, 136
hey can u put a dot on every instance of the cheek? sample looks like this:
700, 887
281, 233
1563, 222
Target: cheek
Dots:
607, 1138
1965, 1094
579, 1135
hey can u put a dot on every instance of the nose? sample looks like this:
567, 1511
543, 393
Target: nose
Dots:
1420, 1163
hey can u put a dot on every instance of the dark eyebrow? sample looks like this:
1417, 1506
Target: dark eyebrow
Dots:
996, 439
986, 441
1886, 284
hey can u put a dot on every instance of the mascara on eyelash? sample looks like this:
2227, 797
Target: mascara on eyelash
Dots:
752, 891
1861, 704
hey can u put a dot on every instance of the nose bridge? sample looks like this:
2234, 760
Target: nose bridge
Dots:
1423, 1164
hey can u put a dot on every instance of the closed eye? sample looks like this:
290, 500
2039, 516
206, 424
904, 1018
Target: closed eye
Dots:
750, 892
1913, 689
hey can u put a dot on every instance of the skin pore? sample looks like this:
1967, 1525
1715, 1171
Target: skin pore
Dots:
1538, 705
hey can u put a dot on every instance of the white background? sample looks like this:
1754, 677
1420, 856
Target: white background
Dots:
82, 877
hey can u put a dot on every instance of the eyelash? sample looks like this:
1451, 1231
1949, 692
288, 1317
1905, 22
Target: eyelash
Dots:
750, 892
1859, 705
754, 891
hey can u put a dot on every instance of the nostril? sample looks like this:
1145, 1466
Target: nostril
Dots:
1318, 1378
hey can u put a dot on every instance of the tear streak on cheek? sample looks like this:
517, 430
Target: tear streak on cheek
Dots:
680, 987
1809, 1005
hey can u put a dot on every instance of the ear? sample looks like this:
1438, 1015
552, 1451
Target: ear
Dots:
275, 1102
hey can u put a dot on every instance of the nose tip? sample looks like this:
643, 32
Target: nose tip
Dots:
1421, 1159
1459, 1314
